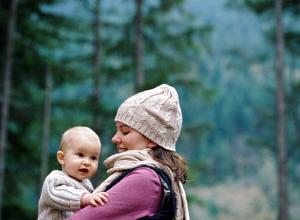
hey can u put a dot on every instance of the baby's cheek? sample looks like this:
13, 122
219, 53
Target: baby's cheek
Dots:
94, 169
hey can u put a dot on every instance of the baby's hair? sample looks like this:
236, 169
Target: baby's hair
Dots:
76, 132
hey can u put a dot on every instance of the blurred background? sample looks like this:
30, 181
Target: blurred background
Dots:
235, 64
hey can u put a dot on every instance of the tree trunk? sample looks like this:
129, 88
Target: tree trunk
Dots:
96, 102
46, 124
7, 72
281, 127
96, 97
139, 75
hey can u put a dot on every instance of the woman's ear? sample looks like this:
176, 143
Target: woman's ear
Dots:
60, 157
151, 145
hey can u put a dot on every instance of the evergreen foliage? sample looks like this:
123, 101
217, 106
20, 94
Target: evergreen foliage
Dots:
223, 72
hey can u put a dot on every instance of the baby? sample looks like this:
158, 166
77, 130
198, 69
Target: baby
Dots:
68, 190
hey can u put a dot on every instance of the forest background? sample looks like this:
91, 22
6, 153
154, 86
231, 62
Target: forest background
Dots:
68, 63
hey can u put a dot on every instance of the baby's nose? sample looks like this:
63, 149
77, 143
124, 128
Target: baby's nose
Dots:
86, 161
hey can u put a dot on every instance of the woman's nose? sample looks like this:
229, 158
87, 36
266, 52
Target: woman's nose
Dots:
116, 139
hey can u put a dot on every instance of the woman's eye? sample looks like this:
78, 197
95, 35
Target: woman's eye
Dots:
124, 132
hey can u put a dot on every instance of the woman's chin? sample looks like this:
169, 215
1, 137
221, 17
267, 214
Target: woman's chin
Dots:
122, 150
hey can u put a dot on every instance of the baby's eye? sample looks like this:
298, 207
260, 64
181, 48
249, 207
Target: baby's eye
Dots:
94, 158
80, 154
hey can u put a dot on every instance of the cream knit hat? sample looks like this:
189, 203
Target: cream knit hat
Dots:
155, 113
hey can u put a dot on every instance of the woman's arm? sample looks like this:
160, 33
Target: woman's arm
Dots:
136, 195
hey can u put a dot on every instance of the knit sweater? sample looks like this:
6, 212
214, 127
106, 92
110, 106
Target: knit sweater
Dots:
60, 196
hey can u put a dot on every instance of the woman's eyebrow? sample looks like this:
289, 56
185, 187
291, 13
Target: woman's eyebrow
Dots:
124, 126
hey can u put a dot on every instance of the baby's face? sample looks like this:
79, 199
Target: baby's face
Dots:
81, 158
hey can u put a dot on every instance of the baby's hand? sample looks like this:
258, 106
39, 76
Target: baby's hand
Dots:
99, 198
95, 199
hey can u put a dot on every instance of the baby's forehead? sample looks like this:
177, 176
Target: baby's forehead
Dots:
80, 132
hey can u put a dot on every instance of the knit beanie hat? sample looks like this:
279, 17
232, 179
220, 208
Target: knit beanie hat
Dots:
155, 113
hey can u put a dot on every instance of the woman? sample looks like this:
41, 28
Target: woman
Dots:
148, 125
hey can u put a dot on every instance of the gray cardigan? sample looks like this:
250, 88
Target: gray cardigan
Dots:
60, 196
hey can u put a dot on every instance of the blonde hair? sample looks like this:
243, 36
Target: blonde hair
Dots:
78, 132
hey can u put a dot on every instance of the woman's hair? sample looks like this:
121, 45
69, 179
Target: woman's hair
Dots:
172, 160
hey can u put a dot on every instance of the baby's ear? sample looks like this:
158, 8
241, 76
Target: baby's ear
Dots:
151, 144
60, 157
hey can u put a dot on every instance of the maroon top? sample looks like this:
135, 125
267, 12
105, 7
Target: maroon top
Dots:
137, 195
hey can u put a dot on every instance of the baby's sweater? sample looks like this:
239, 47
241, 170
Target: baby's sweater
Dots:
60, 196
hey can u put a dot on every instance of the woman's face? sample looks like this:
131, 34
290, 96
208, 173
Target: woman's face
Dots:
126, 138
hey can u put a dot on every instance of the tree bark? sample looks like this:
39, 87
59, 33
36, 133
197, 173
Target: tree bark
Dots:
96, 96
46, 123
97, 67
281, 121
7, 72
139, 75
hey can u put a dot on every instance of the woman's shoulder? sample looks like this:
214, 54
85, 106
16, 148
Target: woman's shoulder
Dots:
144, 173
140, 178
145, 170
135, 186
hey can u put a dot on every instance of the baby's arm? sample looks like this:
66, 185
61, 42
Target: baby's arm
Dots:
94, 199
61, 193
